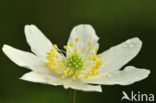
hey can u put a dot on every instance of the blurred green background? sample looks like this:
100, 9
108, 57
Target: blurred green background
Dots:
114, 21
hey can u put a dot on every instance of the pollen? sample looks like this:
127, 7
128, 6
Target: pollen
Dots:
63, 76
69, 51
77, 39
51, 68
82, 50
99, 56
65, 47
53, 49
73, 77
96, 50
71, 43
90, 43
90, 48
75, 51
75, 63
55, 46
57, 56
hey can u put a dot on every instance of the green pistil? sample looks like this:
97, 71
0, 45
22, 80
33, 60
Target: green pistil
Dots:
74, 62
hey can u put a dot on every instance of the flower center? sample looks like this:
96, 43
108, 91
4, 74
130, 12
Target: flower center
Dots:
76, 62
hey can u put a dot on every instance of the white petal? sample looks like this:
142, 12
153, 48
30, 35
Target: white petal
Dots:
86, 34
22, 58
125, 77
118, 56
78, 85
41, 78
38, 42
57, 80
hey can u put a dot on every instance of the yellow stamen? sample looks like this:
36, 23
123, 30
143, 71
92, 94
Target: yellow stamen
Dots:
63, 76
69, 51
57, 56
75, 51
53, 53
71, 43
79, 72
94, 54
97, 66
80, 78
64, 71
83, 68
99, 56
77, 39
88, 64
94, 67
55, 46
96, 50
93, 62
67, 69
70, 73
82, 50
97, 73
86, 76
49, 53
65, 47
53, 49
57, 71
97, 60
73, 77
90, 48
77, 75
53, 63
90, 43
90, 57
94, 73
89, 72
100, 62
60, 66
51, 68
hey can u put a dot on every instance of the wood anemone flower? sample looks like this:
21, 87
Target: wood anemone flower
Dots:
78, 66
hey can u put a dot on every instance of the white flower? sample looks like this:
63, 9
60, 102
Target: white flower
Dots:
81, 67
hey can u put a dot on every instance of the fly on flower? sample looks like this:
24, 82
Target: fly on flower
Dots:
78, 65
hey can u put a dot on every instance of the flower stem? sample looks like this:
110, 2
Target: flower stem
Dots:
73, 96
